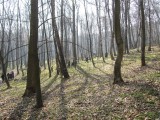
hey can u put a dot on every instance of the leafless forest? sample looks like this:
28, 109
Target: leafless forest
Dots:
58, 35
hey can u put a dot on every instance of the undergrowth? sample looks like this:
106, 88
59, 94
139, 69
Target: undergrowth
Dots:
89, 93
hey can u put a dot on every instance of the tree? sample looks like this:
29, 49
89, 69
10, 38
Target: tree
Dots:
4, 70
3, 61
100, 47
150, 25
117, 67
129, 26
33, 70
17, 40
143, 36
46, 40
60, 56
74, 36
90, 39
62, 22
111, 26
126, 27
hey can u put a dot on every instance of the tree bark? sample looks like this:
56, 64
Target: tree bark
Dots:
143, 36
150, 26
100, 47
33, 70
46, 40
90, 39
74, 36
126, 27
62, 63
2, 50
117, 68
17, 42
111, 28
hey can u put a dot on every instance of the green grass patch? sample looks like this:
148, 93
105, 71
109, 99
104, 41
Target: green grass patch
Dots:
138, 95
140, 117
152, 115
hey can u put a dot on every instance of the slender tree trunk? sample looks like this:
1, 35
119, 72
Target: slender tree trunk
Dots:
66, 45
43, 50
13, 64
132, 35
46, 40
126, 27
111, 28
106, 44
100, 48
4, 71
150, 26
17, 42
157, 31
9, 44
62, 63
44, 56
139, 29
62, 22
2, 49
20, 38
90, 39
129, 27
77, 36
117, 68
143, 36
74, 36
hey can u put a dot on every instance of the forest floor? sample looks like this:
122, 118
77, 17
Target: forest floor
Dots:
89, 93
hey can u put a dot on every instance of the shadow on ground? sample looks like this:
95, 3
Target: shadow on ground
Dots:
20, 108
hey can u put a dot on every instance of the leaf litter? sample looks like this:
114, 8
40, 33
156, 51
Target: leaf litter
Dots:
90, 95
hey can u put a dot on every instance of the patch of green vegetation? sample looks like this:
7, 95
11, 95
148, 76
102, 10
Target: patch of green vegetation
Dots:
138, 95
124, 95
140, 117
150, 104
155, 74
153, 92
131, 58
117, 118
152, 115
150, 91
150, 54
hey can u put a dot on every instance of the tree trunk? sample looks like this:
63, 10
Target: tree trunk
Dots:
74, 37
33, 70
150, 26
129, 27
143, 36
62, 21
100, 47
21, 43
2, 49
62, 63
46, 40
157, 32
111, 28
126, 27
117, 68
106, 41
17, 42
90, 39
4, 71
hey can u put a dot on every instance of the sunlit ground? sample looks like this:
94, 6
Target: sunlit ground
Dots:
89, 93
